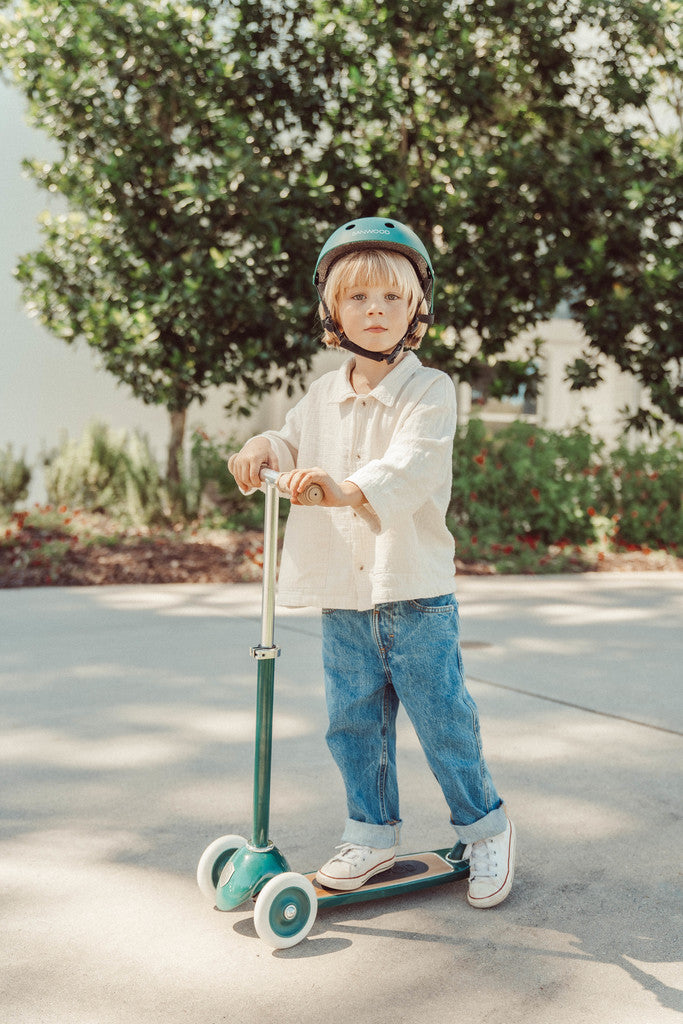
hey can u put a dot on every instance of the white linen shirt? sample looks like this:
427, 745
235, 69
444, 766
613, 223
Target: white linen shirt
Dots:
396, 445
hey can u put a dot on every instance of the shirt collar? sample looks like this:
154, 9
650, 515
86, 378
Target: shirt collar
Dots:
386, 392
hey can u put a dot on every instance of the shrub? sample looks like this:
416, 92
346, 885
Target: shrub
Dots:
15, 477
648, 493
525, 489
106, 470
210, 488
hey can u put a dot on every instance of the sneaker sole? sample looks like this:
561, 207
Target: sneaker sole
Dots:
483, 902
348, 884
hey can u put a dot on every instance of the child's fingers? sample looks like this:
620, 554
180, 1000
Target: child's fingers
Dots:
245, 470
246, 464
301, 483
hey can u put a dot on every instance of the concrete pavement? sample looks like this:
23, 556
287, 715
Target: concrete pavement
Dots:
126, 738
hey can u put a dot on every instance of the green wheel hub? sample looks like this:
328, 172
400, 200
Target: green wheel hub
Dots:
289, 911
285, 910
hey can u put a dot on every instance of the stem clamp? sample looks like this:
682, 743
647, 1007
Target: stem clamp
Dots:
265, 653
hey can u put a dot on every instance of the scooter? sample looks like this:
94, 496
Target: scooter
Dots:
233, 869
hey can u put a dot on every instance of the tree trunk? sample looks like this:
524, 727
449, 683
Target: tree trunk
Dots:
175, 447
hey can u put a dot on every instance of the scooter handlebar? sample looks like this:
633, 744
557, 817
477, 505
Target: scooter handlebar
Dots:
312, 495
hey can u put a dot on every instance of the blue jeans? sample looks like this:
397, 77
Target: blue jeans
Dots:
407, 651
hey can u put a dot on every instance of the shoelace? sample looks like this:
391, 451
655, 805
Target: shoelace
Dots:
350, 853
482, 859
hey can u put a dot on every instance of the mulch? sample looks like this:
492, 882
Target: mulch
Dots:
55, 547
64, 561
54, 559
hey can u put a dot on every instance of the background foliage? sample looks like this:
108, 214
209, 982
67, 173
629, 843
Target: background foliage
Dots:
523, 498
524, 494
15, 477
207, 148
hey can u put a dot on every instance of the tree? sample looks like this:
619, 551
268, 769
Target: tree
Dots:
208, 147
174, 256
516, 136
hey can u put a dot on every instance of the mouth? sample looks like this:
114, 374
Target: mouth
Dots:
375, 330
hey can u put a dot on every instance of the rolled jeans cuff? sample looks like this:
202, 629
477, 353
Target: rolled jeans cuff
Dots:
492, 824
379, 837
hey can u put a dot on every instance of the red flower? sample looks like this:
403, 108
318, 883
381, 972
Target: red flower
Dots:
590, 510
535, 494
474, 496
474, 539
480, 459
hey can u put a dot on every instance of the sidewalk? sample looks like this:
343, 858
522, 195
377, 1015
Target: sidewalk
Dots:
126, 747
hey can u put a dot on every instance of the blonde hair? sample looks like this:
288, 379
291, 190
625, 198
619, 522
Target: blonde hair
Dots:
368, 268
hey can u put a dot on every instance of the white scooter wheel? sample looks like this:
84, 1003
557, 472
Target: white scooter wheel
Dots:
213, 860
285, 910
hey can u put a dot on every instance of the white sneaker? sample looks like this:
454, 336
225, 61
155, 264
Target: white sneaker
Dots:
353, 865
492, 868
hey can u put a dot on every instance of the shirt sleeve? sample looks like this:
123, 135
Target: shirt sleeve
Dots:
418, 462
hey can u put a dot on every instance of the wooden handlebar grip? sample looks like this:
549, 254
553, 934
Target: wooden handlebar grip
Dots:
313, 495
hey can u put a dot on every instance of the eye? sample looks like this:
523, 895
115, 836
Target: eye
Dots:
358, 297
392, 297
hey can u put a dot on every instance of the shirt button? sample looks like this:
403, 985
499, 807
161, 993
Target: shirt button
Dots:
361, 567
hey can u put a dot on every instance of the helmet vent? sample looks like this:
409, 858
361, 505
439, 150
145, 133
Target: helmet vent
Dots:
350, 227
388, 224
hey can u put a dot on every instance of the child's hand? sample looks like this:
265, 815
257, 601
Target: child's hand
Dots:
334, 495
246, 464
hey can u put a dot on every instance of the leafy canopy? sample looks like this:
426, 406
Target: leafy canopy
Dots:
207, 149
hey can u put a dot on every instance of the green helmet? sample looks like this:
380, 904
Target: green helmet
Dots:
377, 233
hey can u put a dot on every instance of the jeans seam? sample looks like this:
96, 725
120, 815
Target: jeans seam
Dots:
485, 788
482, 773
384, 763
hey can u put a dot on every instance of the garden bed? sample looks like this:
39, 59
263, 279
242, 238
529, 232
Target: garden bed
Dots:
52, 547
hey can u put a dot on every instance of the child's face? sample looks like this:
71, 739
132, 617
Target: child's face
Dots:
375, 316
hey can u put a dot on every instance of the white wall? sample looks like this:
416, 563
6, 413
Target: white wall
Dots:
48, 388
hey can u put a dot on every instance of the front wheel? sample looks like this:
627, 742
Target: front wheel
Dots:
213, 860
285, 910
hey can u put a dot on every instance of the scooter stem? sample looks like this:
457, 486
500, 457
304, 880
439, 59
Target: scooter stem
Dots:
265, 653
269, 564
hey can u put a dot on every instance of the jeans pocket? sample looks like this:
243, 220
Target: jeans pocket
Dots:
443, 604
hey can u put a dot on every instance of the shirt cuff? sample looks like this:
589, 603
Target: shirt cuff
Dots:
366, 511
283, 452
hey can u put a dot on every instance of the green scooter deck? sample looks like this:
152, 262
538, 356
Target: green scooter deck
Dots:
409, 873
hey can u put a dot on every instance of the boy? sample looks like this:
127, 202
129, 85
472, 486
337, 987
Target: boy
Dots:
377, 558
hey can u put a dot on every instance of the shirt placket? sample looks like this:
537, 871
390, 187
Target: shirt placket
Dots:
362, 540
